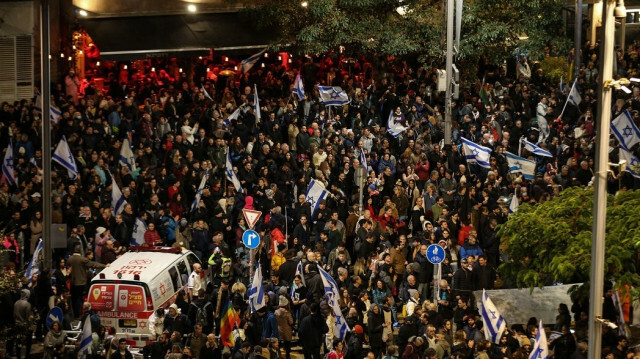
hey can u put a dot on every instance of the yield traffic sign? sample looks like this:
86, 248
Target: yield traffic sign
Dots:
251, 216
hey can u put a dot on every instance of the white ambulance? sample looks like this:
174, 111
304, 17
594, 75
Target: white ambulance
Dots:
142, 280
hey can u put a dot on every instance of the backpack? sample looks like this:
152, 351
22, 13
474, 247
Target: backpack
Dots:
201, 314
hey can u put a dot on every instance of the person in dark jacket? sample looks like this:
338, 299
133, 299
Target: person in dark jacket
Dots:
287, 269
314, 282
122, 352
312, 330
565, 345
158, 349
375, 326
426, 272
462, 280
483, 274
176, 321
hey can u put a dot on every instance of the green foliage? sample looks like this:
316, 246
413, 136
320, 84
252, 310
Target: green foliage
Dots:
555, 67
364, 27
551, 242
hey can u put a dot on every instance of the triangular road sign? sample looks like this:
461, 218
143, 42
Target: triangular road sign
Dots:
251, 216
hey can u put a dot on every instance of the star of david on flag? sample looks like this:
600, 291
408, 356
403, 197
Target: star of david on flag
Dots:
63, 156
625, 130
521, 165
492, 319
633, 164
540, 347
8, 167
315, 194
476, 154
332, 295
333, 96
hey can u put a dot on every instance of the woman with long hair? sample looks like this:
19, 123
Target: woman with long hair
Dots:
36, 230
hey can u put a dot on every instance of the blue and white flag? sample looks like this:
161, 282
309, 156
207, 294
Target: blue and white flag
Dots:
256, 103
231, 175
494, 324
333, 96
63, 156
561, 84
633, 164
540, 346
54, 113
363, 160
117, 199
32, 268
522, 165
315, 194
515, 203
298, 87
300, 272
126, 155
475, 153
256, 292
203, 182
248, 63
8, 166
394, 128
85, 342
535, 149
206, 94
233, 116
332, 294
137, 236
574, 96
625, 130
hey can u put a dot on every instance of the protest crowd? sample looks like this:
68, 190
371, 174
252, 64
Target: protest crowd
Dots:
164, 157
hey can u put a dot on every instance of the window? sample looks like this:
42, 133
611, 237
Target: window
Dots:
184, 272
173, 272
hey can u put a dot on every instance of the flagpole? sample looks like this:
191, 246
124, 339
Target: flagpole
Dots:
567, 101
46, 130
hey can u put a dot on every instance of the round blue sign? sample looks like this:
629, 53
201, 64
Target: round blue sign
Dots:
55, 315
435, 254
251, 239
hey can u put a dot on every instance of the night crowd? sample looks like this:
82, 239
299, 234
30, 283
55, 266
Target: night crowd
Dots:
417, 192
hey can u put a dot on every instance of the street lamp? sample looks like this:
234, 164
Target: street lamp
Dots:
601, 168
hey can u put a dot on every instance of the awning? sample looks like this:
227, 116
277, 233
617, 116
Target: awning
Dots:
128, 38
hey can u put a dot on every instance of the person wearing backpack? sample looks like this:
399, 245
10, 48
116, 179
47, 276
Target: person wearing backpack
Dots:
285, 325
201, 311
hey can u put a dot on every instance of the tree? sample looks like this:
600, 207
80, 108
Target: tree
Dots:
551, 242
490, 28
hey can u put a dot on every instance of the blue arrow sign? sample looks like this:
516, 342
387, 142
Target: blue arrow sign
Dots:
55, 315
435, 254
251, 239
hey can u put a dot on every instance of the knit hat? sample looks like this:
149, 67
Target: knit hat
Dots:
283, 302
358, 329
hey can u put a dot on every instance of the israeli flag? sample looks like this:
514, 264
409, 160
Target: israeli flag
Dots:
248, 63
540, 347
363, 160
233, 116
625, 130
63, 156
8, 166
633, 164
394, 128
32, 268
535, 149
203, 182
475, 153
256, 103
137, 236
332, 294
298, 87
333, 96
515, 203
315, 194
126, 155
256, 293
85, 343
117, 199
574, 96
206, 94
522, 165
300, 272
54, 113
231, 175
494, 324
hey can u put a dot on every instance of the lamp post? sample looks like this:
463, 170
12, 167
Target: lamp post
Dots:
46, 132
600, 181
449, 65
